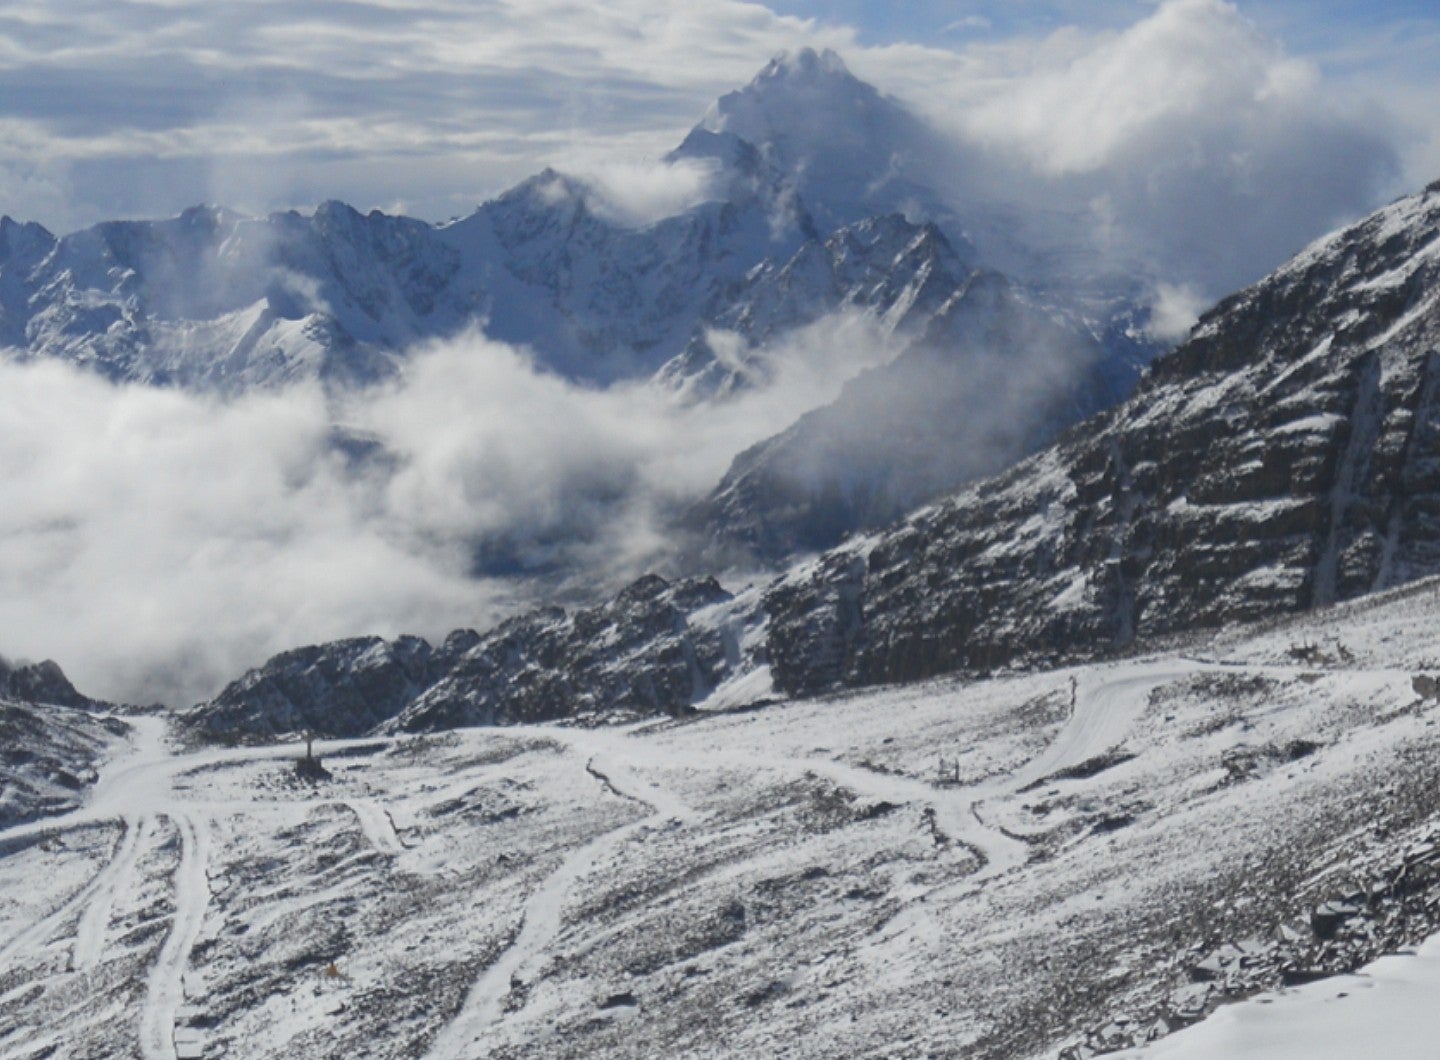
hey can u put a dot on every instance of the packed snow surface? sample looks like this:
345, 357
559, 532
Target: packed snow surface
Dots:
987, 869
1387, 1010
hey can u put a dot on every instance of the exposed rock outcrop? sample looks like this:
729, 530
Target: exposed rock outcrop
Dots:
52, 740
657, 647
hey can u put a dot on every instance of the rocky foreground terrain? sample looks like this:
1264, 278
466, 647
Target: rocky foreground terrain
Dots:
1043, 864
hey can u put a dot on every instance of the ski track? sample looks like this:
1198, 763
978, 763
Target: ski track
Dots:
133, 789
166, 991
39, 933
1103, 716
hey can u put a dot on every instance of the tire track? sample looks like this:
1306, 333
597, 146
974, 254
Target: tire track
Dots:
377, 824
40, 932
166, 991
95, 921
543, 920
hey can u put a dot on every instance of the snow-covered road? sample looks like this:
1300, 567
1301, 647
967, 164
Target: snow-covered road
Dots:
138, 791
493, 866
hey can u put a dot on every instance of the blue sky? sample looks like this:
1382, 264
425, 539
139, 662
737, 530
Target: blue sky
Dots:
1320, 24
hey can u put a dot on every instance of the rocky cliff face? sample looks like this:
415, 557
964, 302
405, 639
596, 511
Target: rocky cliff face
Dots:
42, 682
657, 647
52, 739
1286, 456
991, 377
344, 688
639, 652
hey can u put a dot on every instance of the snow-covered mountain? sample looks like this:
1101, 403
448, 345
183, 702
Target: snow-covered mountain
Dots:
848, 151
809, 170
1285, 457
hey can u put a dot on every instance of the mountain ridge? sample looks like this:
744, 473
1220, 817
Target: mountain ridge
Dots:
1261, 469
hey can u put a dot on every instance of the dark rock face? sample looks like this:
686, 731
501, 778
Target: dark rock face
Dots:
638, 652
901, 272
990, 378
341, 689
51, 742
1287, 456
42, 682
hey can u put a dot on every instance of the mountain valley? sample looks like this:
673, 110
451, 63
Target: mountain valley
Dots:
1042, 694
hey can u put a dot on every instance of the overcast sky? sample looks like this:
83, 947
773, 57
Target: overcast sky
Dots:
131, 108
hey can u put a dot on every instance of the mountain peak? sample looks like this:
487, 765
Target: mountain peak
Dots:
848, 150
781, 102
806, 64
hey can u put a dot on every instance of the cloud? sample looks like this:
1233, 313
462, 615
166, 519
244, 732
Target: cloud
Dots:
157, 543
438, 105
638, 193
970, 22
1189, 147
1174, 311
1194, 62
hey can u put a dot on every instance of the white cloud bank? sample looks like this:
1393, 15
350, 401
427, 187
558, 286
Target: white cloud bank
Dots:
157, 543
1190, 147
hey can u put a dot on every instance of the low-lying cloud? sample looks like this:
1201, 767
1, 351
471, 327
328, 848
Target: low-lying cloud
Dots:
636, 193
156, 543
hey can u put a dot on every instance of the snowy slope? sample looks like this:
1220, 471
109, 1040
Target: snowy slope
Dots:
1004, 868
1386, 1009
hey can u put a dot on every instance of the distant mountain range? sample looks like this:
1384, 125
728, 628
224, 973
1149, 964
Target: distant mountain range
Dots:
816, 201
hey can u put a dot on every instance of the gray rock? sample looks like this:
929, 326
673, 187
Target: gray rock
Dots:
636, 653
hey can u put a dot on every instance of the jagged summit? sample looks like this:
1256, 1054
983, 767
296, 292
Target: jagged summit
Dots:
791, 82
849, 151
